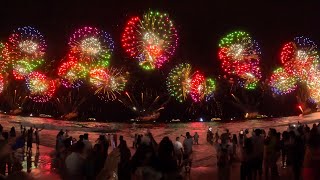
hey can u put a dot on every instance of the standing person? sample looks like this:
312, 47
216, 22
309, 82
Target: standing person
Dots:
115, 139
36, 133
87, 144
178, 150
21, 129
18, 155
311, 164
241, 138
75, 162
246, 132
167, 161
105, 146
270, 154
224, 156
109, 139
29, 162
121, 140
234, 144
146, 139
59, 133
247, 159
210, 136
8, 157
29, 139
258, 151
94, 162
13, 132
228, 134
124, 169
196, 138
284, 143
295, 154
138, 141
278, 153
135, 140
59, 143
24, 132
3, 160
80, 138
187, 147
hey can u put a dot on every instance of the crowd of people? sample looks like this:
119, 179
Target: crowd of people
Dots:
14, 147
298, 149
151, 160
261, 154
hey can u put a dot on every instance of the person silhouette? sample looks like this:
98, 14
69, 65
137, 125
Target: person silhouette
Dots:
36, 133
36, 158
29, 155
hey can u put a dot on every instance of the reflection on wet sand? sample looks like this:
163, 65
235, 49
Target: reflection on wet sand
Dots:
40, 163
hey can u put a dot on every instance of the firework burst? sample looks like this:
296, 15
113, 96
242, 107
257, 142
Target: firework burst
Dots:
92, 47
179, 81
40, 87
109, 83
24, 50
151, 39
313, 86
240, 56
300, 58
98, 77
23, 67
281, 82
201, 88
72, 73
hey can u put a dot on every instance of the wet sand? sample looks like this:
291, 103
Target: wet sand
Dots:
204, 162
41, 165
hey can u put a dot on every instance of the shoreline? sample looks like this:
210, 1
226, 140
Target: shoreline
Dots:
154, 121
51, 127
204, 164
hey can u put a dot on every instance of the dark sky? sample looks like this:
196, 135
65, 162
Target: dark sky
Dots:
200, 24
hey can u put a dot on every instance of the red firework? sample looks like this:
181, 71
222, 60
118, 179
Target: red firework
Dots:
150, 39
197, 86
300, 58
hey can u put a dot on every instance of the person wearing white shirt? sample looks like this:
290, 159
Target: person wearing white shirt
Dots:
187, 147
178, 150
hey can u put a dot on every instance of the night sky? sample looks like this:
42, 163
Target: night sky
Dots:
200, 25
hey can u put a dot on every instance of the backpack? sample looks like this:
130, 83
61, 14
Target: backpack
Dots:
223, 158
